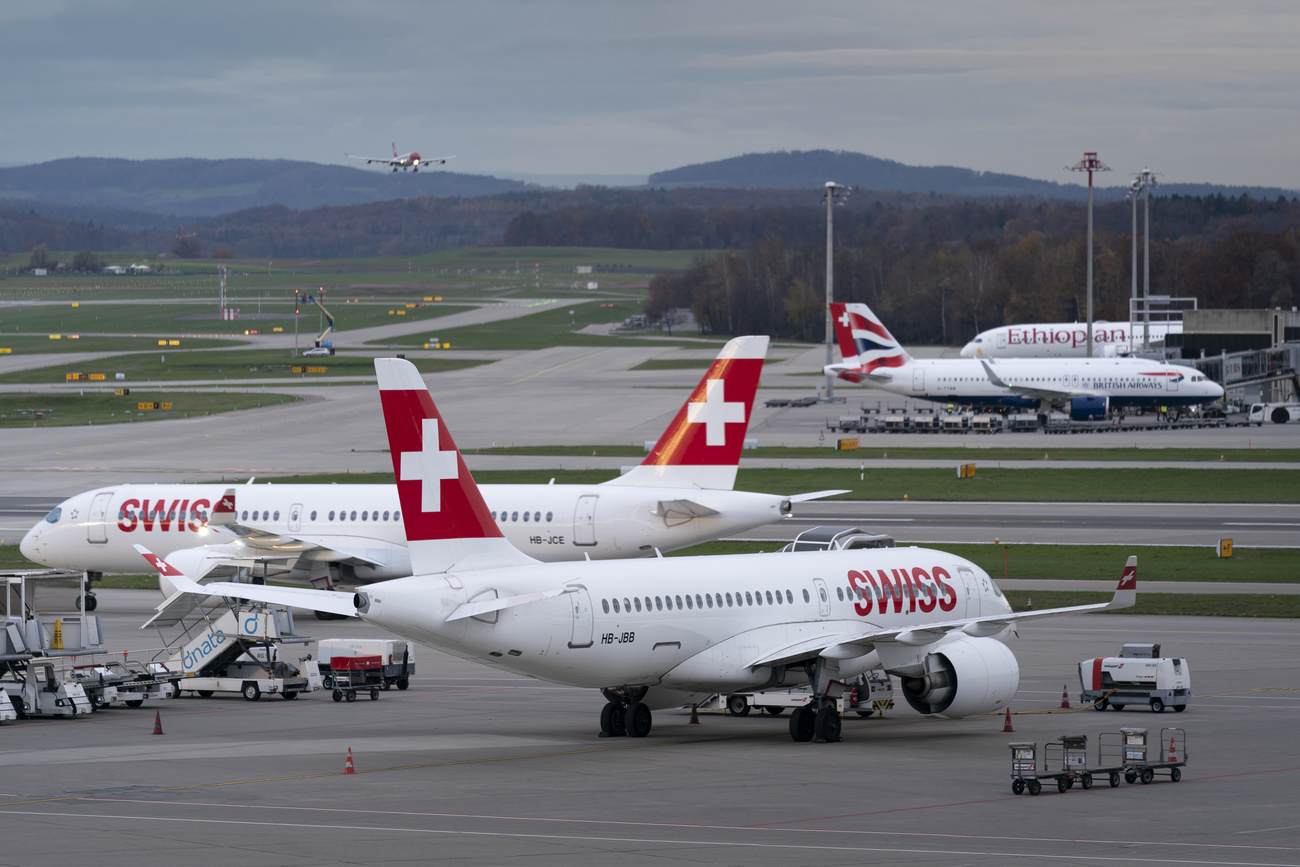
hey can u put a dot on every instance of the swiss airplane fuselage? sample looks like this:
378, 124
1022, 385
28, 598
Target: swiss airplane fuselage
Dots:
1125, 381
95, 531
686, 624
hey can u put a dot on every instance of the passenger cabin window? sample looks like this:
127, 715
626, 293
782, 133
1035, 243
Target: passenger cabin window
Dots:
313, 515
806, 597
548, 517
331, 514
604, 604
385, 516
277, 514
525, 516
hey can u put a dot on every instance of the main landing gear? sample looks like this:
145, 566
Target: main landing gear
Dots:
625, 714
816, 723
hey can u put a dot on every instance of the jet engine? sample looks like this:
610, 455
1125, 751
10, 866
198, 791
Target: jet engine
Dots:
1089, 408
966, 677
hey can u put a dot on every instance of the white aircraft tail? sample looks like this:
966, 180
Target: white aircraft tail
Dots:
448, 524
865, 343
701, 448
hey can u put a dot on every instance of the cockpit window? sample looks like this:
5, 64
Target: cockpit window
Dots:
54, 515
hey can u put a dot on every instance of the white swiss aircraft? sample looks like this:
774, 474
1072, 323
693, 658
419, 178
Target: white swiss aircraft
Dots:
679, 496
413, 160
1065, 339
1084, 387
654, 633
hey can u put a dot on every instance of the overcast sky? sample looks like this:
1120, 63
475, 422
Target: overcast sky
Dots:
1199, 91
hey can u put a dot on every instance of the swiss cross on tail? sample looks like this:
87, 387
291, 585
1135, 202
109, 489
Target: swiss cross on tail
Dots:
438, 496
164, 568
709, 429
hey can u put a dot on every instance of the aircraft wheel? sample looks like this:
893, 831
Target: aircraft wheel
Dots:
827, 724
91, 602
802, 723
738, 705
613, 722
1017, 787
251, 691
637, 720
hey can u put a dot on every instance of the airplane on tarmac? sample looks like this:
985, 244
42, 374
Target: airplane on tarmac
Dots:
413, 160
1083, 387
1065, 339
680, 495
659, 632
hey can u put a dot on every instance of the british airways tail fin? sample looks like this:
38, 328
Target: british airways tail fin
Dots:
448, 524
701, 448
865, 343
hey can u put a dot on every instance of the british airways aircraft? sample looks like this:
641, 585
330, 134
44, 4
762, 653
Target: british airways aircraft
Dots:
656, 633
680, 495
1083, 387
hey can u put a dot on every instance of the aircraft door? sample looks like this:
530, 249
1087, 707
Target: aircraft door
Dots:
584, 520
1171, 382
97, 526
295, 517
583, 624
918, 380
970, 594
1002, 340
823, 598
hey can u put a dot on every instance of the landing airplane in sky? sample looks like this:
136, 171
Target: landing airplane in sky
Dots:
654, 633
413, 160
680, 495
1084, 387
1065, 339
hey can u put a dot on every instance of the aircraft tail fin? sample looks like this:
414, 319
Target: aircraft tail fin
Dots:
447, 522
864, 340
394, 150
701, 447
1126, 591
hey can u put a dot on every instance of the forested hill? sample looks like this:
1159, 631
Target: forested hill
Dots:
204, 188
812, 169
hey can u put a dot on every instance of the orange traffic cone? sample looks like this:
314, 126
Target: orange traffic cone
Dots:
1006, 726
157, 723
695, 717
1173, 754
347, 764
1065, 696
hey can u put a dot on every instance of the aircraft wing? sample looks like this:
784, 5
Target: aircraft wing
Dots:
264, 544
848, 645
1040, 392
438, 160
369, 160
316, 600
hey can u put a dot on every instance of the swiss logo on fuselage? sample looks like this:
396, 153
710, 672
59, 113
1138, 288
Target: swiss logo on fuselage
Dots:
915, 588
157, 514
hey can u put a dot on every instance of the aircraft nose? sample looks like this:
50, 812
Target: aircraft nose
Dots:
968, 351
30, 545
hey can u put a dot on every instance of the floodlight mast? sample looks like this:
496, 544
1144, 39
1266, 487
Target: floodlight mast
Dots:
835, 193
1090, 164
1147, 179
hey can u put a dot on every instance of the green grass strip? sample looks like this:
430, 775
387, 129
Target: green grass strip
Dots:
101, 406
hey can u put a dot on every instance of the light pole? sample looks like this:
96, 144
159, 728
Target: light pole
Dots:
834, 193
1148, 180
1133, 190
1090, 164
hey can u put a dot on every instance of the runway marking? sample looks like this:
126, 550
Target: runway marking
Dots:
558, 366
708, 827
373, 829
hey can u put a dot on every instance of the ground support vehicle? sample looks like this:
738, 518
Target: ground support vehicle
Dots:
986, 423
7, 711
129, 682
35, 689
1065, 762
234, 648
1277, 413
353, 674
871, 693
1139, 675
396, 657
1128, 752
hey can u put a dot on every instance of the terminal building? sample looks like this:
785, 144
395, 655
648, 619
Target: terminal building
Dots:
1254, 354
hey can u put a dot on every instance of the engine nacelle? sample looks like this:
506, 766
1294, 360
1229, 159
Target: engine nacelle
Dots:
966, 677
1089, 408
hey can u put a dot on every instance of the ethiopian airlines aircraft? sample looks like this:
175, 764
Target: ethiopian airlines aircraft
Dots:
680, 495
653, 633
1065, 340
1084, 387
412, 161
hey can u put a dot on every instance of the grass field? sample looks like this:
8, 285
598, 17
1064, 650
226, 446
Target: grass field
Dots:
554, 327
99, 406
43, 345
244, 366
1169, 604
699, 364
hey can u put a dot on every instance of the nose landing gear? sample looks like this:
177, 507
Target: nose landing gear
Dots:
625, 714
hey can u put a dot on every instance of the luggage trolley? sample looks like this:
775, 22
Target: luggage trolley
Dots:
1069, 754
1136, 761
352, 673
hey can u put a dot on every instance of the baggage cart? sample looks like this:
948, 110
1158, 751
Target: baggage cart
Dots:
1129, 753
351, 674
1065, 762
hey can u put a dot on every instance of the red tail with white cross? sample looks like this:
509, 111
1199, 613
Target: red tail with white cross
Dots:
701, 448
447, 522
